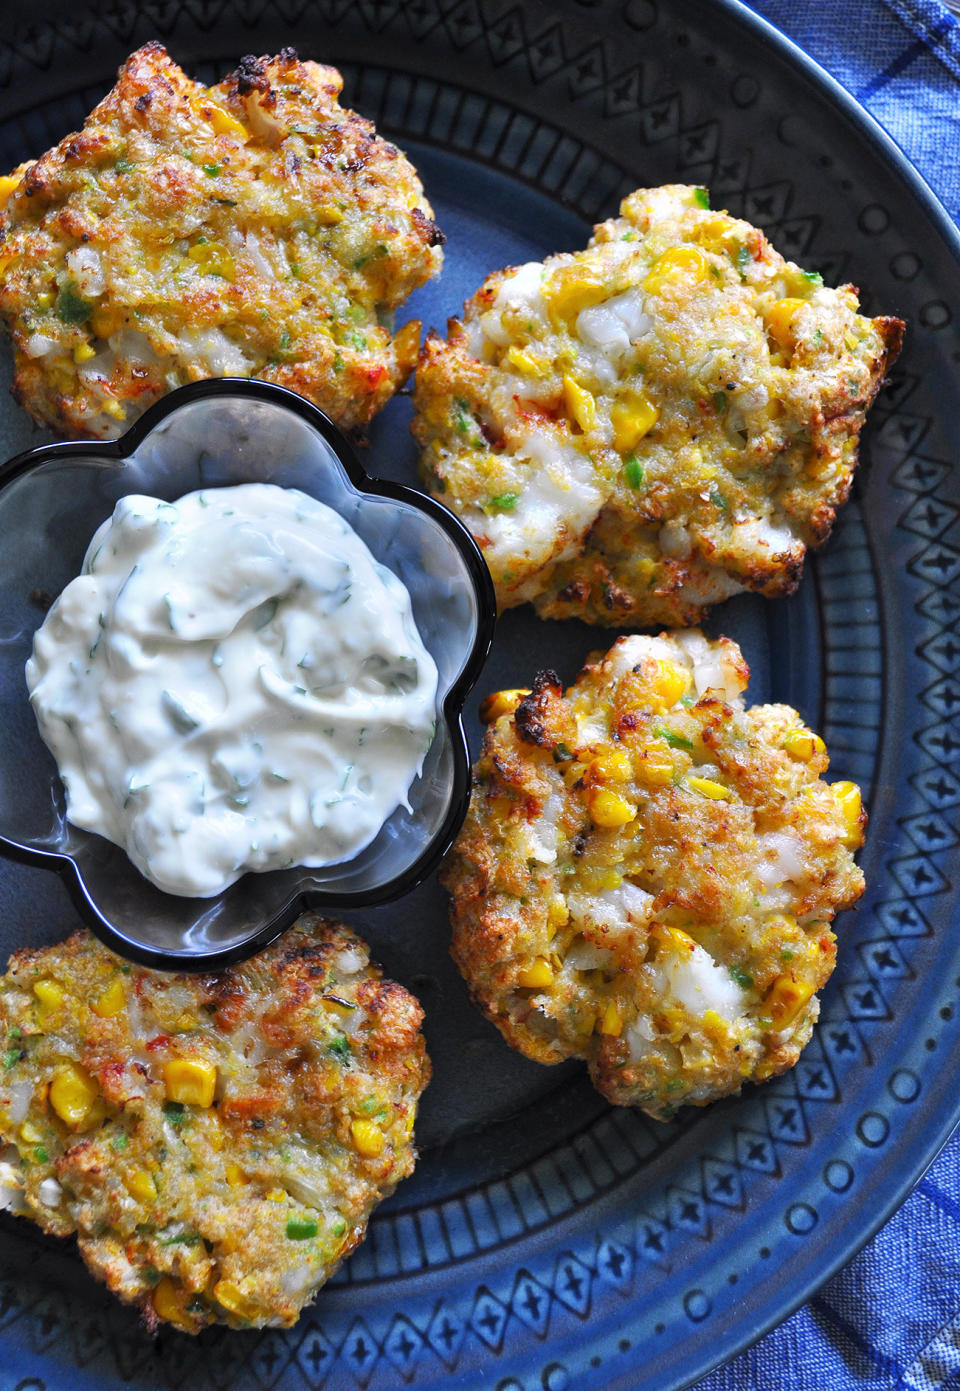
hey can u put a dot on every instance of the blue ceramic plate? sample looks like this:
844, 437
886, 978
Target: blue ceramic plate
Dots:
547, 1241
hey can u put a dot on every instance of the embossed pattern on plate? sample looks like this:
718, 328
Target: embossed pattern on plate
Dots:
546, 1240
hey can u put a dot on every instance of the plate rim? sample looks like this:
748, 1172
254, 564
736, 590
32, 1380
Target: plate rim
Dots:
862, 124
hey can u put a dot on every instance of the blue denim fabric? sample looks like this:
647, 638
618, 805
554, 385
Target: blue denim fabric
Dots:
891, 1320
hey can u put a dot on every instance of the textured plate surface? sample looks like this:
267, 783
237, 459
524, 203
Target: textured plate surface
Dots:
547, 1241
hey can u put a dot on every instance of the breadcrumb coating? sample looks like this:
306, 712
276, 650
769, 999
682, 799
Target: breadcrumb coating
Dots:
215, 1143
648, 873
251, 229
638, 430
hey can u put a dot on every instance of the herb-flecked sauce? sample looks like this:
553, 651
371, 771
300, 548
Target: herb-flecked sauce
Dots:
232, 683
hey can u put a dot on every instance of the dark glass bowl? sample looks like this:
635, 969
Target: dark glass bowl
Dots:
206, 435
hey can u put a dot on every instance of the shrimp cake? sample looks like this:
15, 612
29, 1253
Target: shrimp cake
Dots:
648, 873
251, 229
216, 1143
635, 431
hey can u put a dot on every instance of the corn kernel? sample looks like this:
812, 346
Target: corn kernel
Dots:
608, 809
72, 1094
580, 404
670, 683
8, 182
673, 937
330, 216
233, 1174
802, 744
500, 703
49, 995
851, 341
225, 124
368, 1139
235, 1301
631, 420
785, 999
276, 1195
537, 976
140, 1185
599, 881
523, 362
168, 1301
558, 914
682, 268
30, 1133
83, 352
614, 766
573, 287
111, 1001
612, 1021
191, 1081
212, 259
653, 769
708, 788
779, 317
850, 805
112, 406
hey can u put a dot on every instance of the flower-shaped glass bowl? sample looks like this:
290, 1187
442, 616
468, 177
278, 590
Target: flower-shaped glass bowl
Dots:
206, 435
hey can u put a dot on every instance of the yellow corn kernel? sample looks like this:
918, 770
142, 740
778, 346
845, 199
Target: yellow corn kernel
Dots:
850, 804
111, 1001
851, 341
598, 881
276, 1195
72, 1094
580, 404
225, 124
212, 259
500, 703
140, 1185
233, 1174
168, 1301
631, 420
681, 268
614, 766
30, 1133
670, 683
83, 352
573, 287
653, 769
779, 317
45, 299
673, 937
330, 216
708, 788
785, 999
191, 1081
49, 995
368, 1139
111, 406
802, 744
612, 1021
558, 914
609, 809
523, 362
537, 976
8, 182
235, 1301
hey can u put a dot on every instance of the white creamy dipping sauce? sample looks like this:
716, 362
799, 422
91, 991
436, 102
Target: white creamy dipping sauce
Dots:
232, 683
